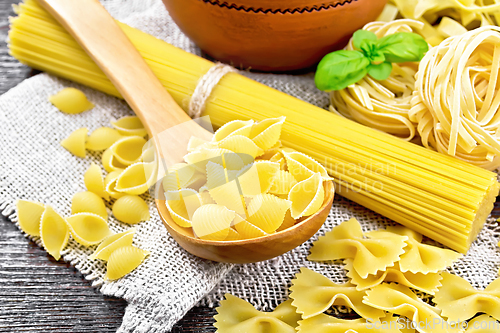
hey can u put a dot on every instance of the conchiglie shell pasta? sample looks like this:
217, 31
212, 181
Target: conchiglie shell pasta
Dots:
88, 229
111, 243
246, 229
223, 188
94, 182
75, 142
135, 179
71, 101
205, 197
129, 125
200, 158
194, 143
266, 133
88, 202
128, 150
235, 127
54, 232
110, 182
257, 178
212, 222
131, 209
288, 221
123, 261
110, 163
267, 212
236, 161
182, 175
302, 166
233, 235
282, 182
241, 144
182, 204
102, 138
29, 214
307, 196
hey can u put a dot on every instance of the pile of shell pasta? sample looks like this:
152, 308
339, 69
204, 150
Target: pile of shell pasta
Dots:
243, 184
123, 158
391, 276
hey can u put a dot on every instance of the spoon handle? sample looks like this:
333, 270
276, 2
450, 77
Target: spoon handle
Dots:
96, 31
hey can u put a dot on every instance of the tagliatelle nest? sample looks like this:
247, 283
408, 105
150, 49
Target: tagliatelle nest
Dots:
383, 105
456, 99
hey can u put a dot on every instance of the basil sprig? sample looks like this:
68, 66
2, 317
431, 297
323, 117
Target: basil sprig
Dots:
372, 56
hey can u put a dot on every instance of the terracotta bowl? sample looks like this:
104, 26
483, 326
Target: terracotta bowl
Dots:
249, 250
271, 35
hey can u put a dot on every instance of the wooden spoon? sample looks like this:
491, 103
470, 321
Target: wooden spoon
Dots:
168, 125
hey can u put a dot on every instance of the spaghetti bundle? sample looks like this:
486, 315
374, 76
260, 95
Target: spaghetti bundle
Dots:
456, 100
437, 195
383, 105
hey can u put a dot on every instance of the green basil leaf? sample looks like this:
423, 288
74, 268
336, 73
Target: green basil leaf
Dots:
362, 35
339, 69
377, 57
402, 47
381, 71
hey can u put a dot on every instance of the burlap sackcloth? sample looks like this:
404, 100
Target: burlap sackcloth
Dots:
34, 166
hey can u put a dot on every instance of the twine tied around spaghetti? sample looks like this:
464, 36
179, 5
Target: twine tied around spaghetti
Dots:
204, 88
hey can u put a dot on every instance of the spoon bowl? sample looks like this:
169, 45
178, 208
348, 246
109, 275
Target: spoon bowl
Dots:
253, 249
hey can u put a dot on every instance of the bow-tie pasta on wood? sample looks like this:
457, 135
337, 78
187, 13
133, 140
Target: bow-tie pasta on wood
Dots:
369, 255
402, 301
327, 324
418, 257
428, 283
237, 315
458, 300
313, 294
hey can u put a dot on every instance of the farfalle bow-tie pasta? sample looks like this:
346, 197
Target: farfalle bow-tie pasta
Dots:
458, 300
369, 255
313, 294
237, 315
243, 184
400, 300
328, 324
